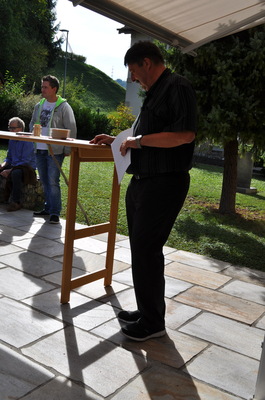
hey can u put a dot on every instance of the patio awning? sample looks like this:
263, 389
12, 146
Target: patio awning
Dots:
187, 24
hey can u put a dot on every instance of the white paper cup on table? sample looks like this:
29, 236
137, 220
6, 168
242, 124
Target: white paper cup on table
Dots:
60, 133
37, 130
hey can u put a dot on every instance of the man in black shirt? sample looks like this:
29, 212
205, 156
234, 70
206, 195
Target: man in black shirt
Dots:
161, 155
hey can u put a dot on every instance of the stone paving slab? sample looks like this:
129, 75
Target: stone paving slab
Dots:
95, 290
18, 285
61, 388
222, 304
42, 246
162, 383
8, 248
56, 277
32, 263
45, 230
229, 334
123, 300
175, 286
261, 323
174, 349
90, 244
9, 234
232, 372
88, 261
82, 312
197, 260
19, 375
196, 275
76, 351
20, 218
178, 314
246, 274
172, 286
100, 365
24, 325
123, 254
245, 290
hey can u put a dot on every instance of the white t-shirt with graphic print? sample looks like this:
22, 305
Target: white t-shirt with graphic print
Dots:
45, 116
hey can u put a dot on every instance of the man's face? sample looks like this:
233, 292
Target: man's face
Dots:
139, 74
47, 91
13, 127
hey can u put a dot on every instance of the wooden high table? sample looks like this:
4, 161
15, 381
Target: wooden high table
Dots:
81, 151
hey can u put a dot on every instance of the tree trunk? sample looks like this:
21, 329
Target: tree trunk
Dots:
228, 196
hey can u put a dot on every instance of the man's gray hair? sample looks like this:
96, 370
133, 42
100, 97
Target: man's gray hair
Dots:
20, 123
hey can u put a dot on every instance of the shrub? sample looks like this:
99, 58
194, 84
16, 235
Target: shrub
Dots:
24, 107
10, 93
102, 124
89, 123
122, 119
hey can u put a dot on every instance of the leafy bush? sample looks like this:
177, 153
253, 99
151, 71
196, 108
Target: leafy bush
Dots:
89, 123
102, 124
10, 93
14, 102
122, 119
24, 107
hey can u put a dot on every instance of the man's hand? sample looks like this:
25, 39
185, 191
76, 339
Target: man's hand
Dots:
130, 142
102, 139
5, 172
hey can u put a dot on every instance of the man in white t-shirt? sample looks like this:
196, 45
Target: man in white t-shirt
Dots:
51, 112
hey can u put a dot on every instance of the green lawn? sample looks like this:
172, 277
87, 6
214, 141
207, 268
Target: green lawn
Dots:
238, 239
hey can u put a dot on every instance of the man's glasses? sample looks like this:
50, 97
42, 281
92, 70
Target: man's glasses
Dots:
11, 128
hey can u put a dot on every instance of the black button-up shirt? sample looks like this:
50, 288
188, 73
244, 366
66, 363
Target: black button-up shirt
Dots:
169, 106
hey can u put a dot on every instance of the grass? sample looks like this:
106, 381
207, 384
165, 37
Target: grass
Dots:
237, 239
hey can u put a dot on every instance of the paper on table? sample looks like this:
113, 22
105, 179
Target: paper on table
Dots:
121, 162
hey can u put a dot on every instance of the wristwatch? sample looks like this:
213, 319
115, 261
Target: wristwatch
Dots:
138, 141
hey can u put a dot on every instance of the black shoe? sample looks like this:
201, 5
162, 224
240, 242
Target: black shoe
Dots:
54, 219
129, 316
139, 333
41, 213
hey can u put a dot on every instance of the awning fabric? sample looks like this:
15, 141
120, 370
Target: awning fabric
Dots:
187, 24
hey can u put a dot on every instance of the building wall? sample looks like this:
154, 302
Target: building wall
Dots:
132, 98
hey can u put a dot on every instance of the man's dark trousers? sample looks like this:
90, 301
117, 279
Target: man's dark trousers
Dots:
152, 205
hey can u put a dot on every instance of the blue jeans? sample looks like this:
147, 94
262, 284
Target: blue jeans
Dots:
50, 177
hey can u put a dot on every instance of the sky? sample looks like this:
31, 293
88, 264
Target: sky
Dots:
94, 37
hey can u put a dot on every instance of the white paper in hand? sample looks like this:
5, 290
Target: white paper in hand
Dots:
121, 162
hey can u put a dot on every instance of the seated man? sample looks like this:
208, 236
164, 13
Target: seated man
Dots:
18, 167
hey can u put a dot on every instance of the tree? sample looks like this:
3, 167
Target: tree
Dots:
27, 38
228, 76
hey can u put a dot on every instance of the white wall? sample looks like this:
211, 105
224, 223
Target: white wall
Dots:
132, 98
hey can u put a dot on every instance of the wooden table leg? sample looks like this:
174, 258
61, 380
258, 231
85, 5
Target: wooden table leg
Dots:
113, 225
70, 226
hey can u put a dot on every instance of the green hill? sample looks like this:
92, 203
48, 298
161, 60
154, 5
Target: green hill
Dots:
101, 92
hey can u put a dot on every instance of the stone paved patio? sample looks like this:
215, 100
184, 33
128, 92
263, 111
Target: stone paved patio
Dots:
48, 351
